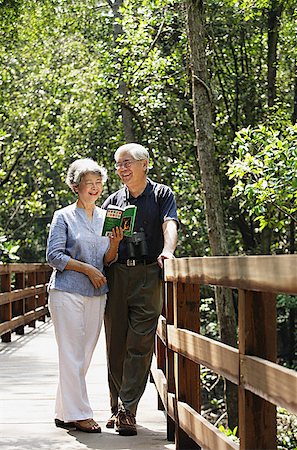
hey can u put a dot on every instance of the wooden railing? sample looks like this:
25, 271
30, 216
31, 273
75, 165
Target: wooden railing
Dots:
180, 349
23, 297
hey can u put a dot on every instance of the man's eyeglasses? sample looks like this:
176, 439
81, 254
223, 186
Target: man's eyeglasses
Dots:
125, 164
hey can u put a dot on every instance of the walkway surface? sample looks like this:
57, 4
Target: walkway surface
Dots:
28, 375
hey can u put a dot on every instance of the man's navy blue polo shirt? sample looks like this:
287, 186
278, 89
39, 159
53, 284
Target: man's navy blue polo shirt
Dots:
155, 205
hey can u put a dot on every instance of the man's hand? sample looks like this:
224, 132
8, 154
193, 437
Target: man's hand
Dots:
164, 255
169, 228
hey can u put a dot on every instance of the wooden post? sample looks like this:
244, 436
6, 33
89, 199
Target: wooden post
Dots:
187, 373
257, 337
31, 301
160, 351
47, 278
18, 308
6, 310
169, 357
161, 365
41, 298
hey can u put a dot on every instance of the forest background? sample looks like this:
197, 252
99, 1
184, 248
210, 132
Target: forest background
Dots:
79, 78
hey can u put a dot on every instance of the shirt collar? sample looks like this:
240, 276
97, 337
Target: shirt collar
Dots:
145, 193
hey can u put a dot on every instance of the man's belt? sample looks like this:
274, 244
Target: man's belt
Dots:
134, 262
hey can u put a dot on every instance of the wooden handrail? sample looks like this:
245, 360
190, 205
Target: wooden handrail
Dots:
262, 384
23, 268
262, 273
23, 297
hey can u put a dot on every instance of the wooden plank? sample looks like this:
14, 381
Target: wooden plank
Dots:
41, 297
18, 294
160, 348
270, 381
257, 337
186, 372
220, 358
160, 351
39, 313
18, 307
161, 329
160, 381
169, 361
4, 298
6, 310
31, 301
255, 273
26, 319
171, 405
36, 267
204, 433
187, 317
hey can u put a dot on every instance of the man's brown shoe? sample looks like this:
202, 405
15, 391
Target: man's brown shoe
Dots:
111, 421
126, 423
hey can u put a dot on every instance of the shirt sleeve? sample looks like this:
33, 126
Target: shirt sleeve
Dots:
56, 246
168, 209
108, 201
105, 203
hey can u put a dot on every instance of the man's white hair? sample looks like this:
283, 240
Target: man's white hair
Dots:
136, 151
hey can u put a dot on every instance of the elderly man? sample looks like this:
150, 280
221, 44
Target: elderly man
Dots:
135, 298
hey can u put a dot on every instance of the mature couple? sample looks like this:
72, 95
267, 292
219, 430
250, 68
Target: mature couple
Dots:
78, 287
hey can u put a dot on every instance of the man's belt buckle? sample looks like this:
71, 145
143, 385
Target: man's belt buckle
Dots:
131, 263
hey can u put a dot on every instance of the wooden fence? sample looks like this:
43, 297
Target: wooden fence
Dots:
23, 297
180, 349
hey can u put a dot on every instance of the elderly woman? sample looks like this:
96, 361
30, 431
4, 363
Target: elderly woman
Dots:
77, 290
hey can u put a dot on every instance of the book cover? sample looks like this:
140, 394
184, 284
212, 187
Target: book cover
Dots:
119, 217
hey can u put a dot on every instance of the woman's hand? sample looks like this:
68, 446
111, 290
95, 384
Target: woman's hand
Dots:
116, 237
96, 277
111, 254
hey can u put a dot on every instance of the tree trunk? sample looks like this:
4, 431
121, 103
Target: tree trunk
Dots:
274, 14
203, 122
294, 115
123, 88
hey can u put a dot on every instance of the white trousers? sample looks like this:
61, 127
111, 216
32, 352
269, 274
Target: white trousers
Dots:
77, 322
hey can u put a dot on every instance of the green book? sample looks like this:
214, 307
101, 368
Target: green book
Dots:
119, 217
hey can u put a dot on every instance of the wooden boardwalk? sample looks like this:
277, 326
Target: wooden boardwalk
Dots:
28, 385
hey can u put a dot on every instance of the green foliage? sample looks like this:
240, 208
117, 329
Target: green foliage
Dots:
60, 99
230, 433
238, 51
60, 80
264, 174
8, 250
208, 317
286, 428
286, 301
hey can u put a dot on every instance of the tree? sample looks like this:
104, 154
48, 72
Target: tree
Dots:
60, 100
126, 112
203, 121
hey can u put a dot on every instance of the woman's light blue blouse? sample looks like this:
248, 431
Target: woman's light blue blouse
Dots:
73, 235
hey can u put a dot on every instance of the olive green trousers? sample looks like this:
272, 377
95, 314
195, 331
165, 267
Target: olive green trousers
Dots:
134, 303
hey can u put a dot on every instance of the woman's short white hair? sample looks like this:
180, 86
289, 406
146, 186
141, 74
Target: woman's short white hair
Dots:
80, 167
